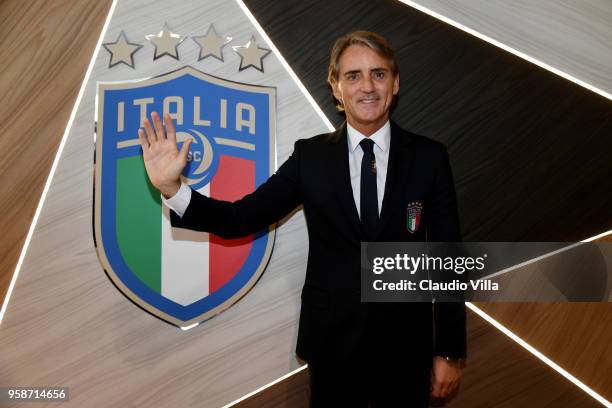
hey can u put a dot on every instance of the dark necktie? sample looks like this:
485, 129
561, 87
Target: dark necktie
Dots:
369, 194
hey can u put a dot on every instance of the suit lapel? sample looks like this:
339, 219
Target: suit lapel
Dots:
400, 162
341, 177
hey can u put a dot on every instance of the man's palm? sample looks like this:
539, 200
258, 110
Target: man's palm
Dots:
163, 161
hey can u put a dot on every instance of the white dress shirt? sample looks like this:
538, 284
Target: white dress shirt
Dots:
382, 141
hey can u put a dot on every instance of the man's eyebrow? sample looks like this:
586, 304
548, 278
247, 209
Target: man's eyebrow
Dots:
356, 71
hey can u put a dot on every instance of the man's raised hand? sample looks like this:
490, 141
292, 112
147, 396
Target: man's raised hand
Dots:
163, 161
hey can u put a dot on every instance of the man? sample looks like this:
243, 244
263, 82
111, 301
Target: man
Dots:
355, 185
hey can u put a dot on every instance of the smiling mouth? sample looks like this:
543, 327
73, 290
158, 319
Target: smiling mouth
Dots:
368, 100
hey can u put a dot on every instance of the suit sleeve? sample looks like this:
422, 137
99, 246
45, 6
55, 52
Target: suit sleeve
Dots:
449, 317
270, 202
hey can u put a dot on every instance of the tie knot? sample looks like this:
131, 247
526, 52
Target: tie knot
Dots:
367, 146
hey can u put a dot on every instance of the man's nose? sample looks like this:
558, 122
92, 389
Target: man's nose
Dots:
366, 84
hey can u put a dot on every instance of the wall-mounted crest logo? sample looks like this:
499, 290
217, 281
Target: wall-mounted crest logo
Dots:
413, 215
181, 276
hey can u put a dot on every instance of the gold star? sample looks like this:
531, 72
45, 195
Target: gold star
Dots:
211, 44
251, 55
166, 43
121, 51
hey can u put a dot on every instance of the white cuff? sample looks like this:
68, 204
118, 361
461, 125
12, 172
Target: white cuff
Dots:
180, 201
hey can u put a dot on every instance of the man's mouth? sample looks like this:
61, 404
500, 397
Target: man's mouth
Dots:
369, 100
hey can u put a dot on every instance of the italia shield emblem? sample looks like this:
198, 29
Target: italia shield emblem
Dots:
181, 276
414, 216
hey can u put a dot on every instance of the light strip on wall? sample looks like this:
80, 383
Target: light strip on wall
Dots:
538, 354
56, 161
505, 47
268, 385
474, 308
596, 237
285, 65
547, 255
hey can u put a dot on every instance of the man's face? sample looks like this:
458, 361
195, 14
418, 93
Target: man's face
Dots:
365, 86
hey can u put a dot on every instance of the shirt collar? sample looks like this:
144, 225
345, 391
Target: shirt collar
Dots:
381, 137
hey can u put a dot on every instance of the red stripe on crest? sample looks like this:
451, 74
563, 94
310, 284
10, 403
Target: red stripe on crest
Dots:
234, 179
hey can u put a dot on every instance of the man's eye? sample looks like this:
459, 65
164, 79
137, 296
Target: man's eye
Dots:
351, 77
379, 75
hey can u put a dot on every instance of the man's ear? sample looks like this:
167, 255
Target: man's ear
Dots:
335, 90
337, 94
396, 85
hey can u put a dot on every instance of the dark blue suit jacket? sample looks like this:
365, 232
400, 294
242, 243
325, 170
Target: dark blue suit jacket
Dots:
332, 318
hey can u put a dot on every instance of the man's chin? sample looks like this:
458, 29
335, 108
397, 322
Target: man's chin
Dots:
369, 119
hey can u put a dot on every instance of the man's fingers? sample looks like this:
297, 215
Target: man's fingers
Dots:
185, 149
150, 133
159, 126
171, 132
143, 141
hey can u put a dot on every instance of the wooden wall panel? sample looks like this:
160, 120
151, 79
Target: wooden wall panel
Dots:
570, 35
45, 48
577, 336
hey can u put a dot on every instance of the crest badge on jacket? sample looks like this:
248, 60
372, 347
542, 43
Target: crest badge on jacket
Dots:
413, 217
